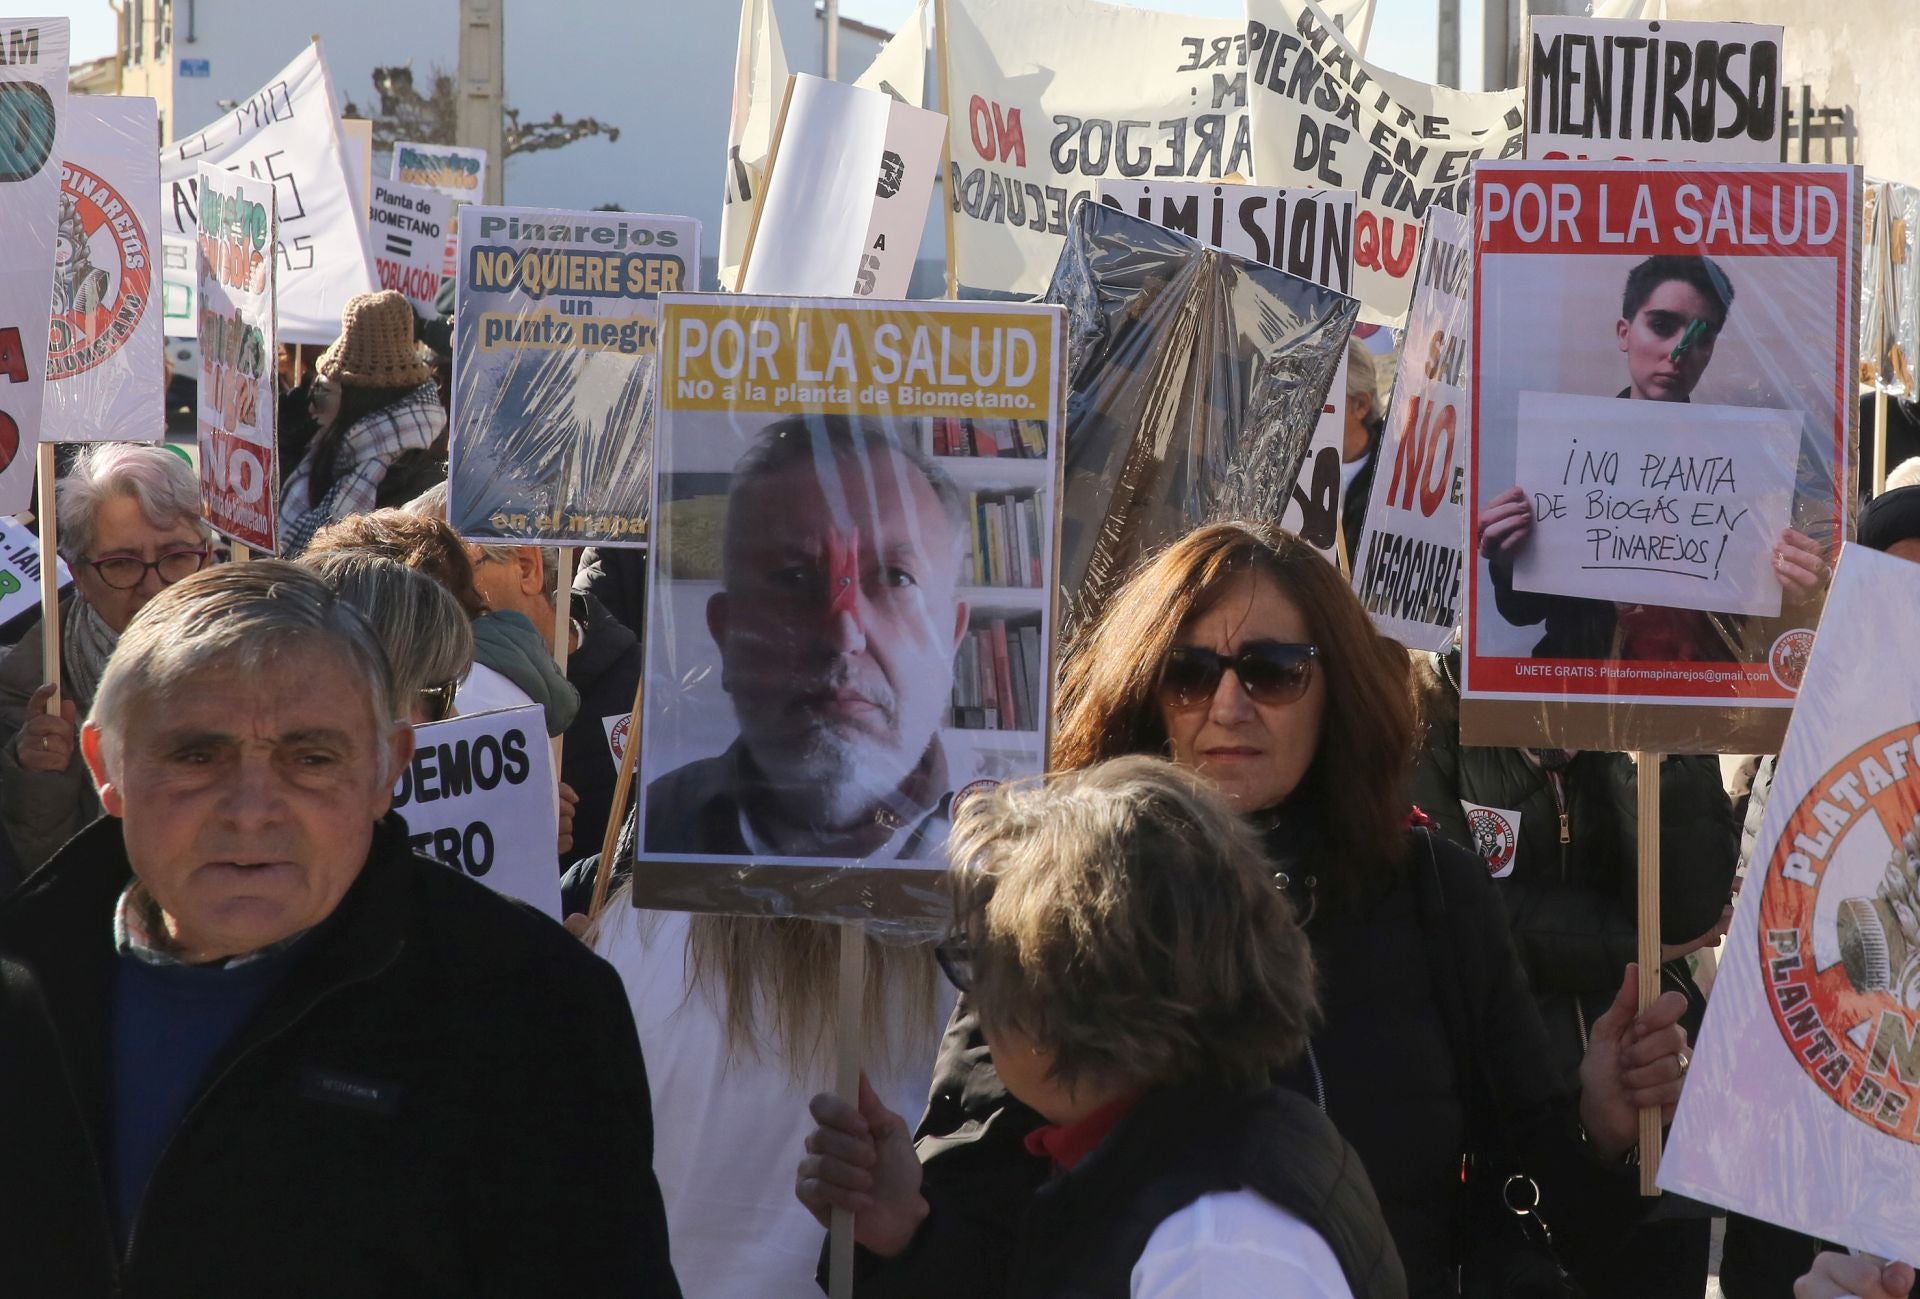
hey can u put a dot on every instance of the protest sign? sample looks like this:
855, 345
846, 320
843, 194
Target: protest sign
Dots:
33, 103
1678, 505
105, 369
900, 68
479, 797
1322, 115
453, 170
1890, 287
1698, 286
759, 89
1305, 232
1802, 1105
20, 570
554, 347
1408, 568
845, 195
235, 273
850, 623
409, 229
286, 134
1660, 91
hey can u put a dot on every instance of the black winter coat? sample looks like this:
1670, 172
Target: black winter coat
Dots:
605, 669
443, 1097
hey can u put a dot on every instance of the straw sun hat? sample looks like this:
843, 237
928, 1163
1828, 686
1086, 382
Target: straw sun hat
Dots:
375, 348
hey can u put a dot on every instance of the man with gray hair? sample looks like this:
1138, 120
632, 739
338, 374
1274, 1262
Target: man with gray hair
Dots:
250, 1044
837, 626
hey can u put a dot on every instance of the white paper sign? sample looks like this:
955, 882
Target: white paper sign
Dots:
1409, 564
239, 386
286, 134
1653, 91
1802, 1106
408, 225
616, 728
457, 171
1654, 502
33, 107
20, 570
479, 796
105, 369
1496, 836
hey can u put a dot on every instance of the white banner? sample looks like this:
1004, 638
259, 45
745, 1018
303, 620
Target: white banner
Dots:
234, 281
287, 134
1322, 115
105, 369
409, 227
20, 569
1653, 91
1802, 1106
900, 68
33, 105
1408, 565
759, 85
479, 796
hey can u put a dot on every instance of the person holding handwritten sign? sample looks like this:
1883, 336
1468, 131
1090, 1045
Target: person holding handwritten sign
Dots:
1671, 315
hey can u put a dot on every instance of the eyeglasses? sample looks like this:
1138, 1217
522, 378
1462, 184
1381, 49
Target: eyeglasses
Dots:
124, 572
956, 962
1270, 671
437, 701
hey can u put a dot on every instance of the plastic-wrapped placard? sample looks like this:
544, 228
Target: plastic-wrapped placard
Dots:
235, 277
33, 103
106, 371
1802, 1106
851, 596
1900, 304
1663, 446
554, 363
1195, 380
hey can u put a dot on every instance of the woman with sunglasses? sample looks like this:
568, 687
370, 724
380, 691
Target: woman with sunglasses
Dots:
130, 524
1241, 654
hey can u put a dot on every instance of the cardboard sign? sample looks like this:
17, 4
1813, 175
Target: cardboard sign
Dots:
20, 570
1646, 285
33, 104
455, 171
1305, 232
409, 228
847, 195
1409, 567
1322, 115
1802, 1106
479, 796
236, 268
1670, 504
851, 575
553, 369
287, 135
1659, 91
105, 369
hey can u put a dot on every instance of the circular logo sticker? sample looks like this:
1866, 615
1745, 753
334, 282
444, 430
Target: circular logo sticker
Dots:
1493, 838
969, 789
1840, 933
617, 736
1787, 660
102, 274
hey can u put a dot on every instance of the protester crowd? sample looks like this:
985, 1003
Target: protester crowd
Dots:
1237, 1002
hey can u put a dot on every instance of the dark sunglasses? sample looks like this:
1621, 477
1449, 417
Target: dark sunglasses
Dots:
956, 962
1270, 671
437, 701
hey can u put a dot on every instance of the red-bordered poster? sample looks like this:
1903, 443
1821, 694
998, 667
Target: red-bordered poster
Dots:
1663, 440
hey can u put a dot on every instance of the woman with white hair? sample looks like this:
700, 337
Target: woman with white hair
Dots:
130, 525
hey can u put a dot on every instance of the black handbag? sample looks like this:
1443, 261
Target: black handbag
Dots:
1506, 1249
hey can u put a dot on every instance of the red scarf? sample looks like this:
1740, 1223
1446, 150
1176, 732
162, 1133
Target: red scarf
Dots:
1066, 1144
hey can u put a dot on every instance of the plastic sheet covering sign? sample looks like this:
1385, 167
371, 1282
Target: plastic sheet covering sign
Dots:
554, 361
1305, 232
33, 106
1322, 115
1409, 567
20, 570
456, 171
1802, 1107
1195, 380
852, 578
1653, 90
105, 369
239, 393
479, 796
409, 228
1049, 99
286, 134
1890, 288
1726, 294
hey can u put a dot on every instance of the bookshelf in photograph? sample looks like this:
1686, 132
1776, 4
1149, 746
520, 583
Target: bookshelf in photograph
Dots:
1003, 470
998, 672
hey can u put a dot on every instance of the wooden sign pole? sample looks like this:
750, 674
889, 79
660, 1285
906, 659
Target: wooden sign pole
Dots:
1648, 765
617, 814
562, 635
851, 1034
950, 192
1879, 440
49, 578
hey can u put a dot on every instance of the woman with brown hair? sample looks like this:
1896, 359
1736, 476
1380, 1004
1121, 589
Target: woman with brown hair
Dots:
1240, 653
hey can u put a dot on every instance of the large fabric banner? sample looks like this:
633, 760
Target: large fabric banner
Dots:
1803, 1104
235, 271
286, 134
33, 104
1322, 115
759, 89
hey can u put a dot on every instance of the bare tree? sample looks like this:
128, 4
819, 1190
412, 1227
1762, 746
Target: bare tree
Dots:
406, 114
